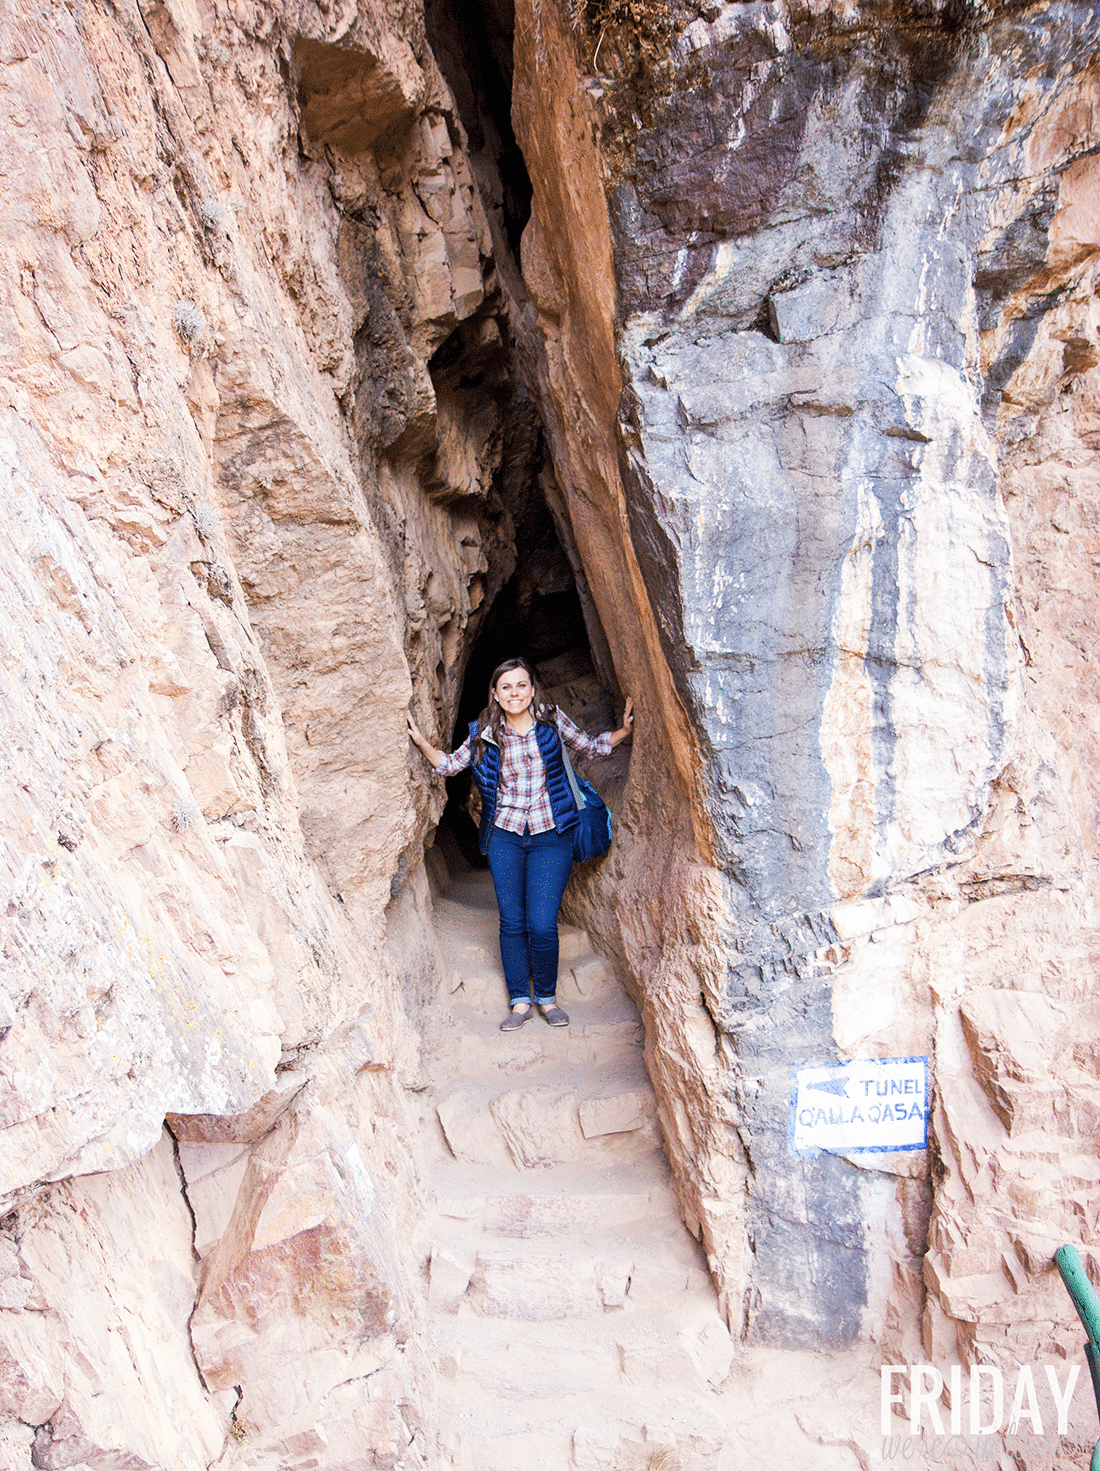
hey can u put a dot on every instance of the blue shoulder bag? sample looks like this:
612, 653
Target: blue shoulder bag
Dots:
592, 832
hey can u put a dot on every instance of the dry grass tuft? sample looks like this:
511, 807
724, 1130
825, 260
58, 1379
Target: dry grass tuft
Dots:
206, 519
639, 32
666, 1460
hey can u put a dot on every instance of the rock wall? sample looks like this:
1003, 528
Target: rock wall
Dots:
844, 297
257, 405
791, 323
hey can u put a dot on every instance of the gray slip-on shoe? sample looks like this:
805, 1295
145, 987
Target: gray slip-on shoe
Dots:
554, 1015
516, 1018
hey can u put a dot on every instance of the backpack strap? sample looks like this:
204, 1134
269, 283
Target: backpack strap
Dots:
578, 795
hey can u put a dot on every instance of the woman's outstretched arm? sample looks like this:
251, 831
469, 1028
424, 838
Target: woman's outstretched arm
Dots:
601, 745
445, 765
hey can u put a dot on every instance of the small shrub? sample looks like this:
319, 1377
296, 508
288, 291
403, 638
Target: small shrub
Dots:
214, 54
206, 519
186, 815
188, 321
212, 213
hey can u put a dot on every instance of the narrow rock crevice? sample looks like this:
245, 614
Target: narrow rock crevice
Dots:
754, 377
538, 616
472, 41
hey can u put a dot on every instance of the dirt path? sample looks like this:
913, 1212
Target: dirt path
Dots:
573, 1320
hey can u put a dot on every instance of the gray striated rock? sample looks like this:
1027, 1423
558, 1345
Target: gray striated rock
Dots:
850, 262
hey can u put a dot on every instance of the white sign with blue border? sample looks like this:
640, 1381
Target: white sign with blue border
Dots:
870, 1105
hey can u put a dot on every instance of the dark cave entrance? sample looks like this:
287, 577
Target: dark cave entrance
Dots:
537, 616
539, 613
534, 601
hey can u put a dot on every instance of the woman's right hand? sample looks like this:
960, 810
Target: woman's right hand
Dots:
419, 739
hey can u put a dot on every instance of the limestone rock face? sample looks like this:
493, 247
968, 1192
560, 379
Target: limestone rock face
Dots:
239, 520
843, 299
795, 353
92, 1351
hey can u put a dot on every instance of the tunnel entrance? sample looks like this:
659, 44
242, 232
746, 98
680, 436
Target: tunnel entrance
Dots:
539, 613
532, 600
537, 616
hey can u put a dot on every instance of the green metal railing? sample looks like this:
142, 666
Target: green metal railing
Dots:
1086, 1302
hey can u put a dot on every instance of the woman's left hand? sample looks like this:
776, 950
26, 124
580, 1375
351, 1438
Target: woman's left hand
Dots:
628, 723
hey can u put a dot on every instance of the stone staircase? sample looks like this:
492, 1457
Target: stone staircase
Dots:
573, 1321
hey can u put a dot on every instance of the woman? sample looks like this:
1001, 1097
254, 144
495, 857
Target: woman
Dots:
526, 813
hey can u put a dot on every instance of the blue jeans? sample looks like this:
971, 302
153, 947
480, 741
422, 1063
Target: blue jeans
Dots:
530, 872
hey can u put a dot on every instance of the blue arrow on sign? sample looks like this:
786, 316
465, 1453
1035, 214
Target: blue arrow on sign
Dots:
837, 1086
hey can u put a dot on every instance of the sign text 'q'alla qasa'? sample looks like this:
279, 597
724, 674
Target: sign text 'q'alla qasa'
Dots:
875, 1104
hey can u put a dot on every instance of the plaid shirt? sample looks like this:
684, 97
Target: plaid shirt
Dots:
522, 798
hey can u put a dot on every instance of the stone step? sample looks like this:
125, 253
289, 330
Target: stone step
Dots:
524, 1369
477, 1048
541, 1358
482, 993
531, 1214
468, 1449
473, 979
550, 1119
466, 1190
658, 1242
634, 1270
633, 1431
579, 975
511, 1284
683, 1364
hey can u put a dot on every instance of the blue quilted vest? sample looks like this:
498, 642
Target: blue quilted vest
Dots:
486, 773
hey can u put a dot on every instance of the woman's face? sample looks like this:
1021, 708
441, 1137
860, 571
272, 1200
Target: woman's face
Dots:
514, 691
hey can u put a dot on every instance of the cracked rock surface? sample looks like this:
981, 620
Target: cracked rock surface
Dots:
761, 349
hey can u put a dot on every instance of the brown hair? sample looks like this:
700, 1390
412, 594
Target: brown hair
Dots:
493, 716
